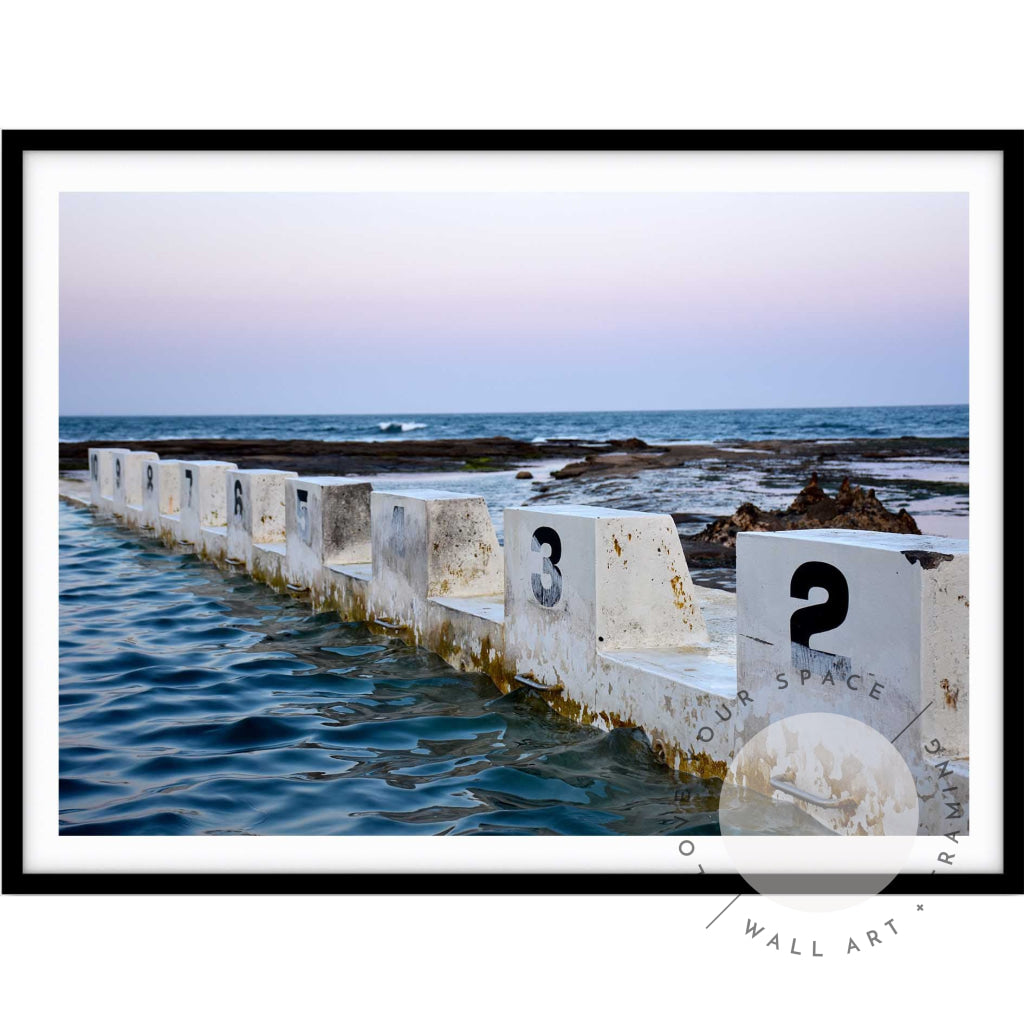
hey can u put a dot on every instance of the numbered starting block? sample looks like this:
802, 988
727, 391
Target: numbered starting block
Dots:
873, 626
437, 571
256, 512
127, 497
101, 476
203, 506
327, 550
160, 481
595, 608
600, 610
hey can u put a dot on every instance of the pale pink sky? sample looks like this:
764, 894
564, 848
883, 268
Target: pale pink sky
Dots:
347, 303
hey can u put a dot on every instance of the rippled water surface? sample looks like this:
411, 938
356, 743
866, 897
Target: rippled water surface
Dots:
192, 702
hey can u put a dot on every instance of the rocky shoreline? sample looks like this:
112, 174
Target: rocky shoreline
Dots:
592, 459
615, 464
361, 458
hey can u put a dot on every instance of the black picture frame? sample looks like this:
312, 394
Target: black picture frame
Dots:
16, 144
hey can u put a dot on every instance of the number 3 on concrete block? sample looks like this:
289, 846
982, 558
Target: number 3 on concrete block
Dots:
548, 596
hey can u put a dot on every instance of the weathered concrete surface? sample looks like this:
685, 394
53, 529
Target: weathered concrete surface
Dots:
268, 565
127, 497
101, 476
345, 588
327, 522
203, 499
469, 633
437, 573
96, 476
873, 626
213, 544
599, 603
256, 511
128, 478
161, 490
169, 528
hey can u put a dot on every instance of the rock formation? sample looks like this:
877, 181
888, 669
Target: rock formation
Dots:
812, 509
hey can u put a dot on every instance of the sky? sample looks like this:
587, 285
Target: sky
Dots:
262, 303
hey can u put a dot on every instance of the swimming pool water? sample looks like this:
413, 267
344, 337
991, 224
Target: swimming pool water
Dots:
197, 702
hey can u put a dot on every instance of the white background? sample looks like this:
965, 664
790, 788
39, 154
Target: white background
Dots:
48, 174
477, 65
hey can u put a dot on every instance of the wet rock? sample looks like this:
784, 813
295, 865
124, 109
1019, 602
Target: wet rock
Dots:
524, 474
338, 458
851, 509
574, 469
812, 494
682, 518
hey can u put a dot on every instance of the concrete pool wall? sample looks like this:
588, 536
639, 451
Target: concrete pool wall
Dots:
595, 610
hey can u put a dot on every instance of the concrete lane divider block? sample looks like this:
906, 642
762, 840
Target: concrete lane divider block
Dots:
873, 626
438, 572
613, 580
327, 527
601, 612
127, 497
203, 497
469, 633
255, 511
593, 607
95, 485
101, 476
161, 494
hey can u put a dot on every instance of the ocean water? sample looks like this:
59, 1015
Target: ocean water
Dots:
198, 703
683, 425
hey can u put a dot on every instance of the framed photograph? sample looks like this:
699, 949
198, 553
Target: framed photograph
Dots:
513, 512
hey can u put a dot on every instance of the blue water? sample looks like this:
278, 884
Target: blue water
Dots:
194, 702
683, 425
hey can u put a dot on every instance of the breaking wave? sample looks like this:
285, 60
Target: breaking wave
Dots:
391, 427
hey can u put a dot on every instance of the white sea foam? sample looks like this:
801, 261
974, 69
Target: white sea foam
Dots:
394, 427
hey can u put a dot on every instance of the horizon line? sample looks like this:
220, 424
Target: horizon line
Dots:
510, 412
